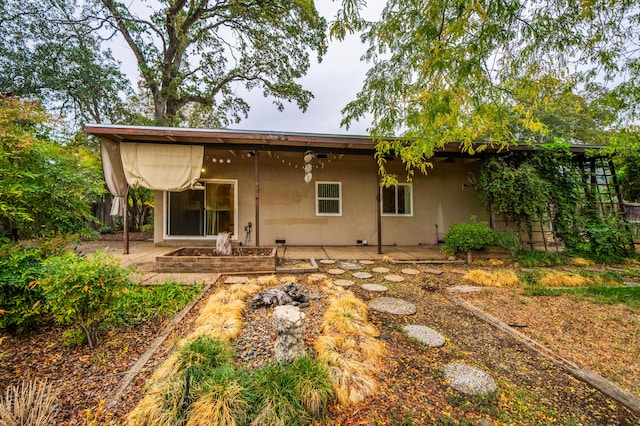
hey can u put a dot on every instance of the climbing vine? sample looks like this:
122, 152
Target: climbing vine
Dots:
548, 185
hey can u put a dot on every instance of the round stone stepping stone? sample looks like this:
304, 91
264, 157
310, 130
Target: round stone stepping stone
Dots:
349, 266
336, 271
236, 280
374, 287
327, 261
469, 380
362, 275
391, 305
394, 278
380, 270
344, 283
312, 278
434, 271
367, 262
409, 271
425, 335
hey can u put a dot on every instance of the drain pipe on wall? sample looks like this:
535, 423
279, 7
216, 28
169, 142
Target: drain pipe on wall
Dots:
247, 230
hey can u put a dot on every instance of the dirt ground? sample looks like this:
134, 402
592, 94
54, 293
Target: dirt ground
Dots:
412, 390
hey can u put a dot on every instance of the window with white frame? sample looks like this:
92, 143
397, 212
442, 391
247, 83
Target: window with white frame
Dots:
328, 198
397, 200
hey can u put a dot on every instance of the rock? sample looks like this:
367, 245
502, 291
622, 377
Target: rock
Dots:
312, 278
349, 266
271, 297
486, 422
409, 271
425, 335
434, 271
288, 322
380, 270
367, 262
469, 380
465, 289
394, 278
327, 261
223, 244
362, 275
391, 305
336, 271
374, 287
344, 283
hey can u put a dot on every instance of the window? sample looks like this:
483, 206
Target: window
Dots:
396, 200
328, 198
197, 213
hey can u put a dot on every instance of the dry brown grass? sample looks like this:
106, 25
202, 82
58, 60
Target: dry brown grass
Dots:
579, 261
29, 403
502, 278
349, 347
160, 405
562, 279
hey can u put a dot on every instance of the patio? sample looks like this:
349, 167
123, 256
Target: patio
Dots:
142, 257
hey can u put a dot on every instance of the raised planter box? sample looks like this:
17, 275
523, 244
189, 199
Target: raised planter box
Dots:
197, 259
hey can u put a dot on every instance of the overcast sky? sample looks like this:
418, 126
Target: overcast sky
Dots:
334, 82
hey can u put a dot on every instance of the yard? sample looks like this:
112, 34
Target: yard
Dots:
412, 389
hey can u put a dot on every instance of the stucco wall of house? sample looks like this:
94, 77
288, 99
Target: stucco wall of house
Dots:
287, 202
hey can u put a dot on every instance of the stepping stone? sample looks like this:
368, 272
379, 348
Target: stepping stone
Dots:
425, 335
327, 261
362, 275
394, 278
410, 271
380, 270
344, 283
367, 262
374, 287
469, 380
391, 305
459, 271
465, 289
236, 280
312, 278
336, 271
349, 266
434, 271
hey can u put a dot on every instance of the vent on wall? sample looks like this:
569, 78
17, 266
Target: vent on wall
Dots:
281, 242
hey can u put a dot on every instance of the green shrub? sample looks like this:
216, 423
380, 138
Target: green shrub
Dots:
463, 237
148, 303
292, 394
21, 299
79, 291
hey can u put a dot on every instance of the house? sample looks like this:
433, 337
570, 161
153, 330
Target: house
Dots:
269, 188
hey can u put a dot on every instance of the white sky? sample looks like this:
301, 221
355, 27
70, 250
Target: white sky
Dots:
334, 82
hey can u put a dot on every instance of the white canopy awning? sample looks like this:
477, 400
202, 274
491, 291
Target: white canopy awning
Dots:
162, 167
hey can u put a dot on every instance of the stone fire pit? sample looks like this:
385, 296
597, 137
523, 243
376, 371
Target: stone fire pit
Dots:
199, 259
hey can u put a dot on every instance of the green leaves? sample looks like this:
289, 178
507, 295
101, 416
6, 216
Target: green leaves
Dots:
498, 73
79, 291
45, 188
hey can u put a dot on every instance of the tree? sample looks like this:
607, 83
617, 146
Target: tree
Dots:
469, 71
46, 54
45, 188
191, 54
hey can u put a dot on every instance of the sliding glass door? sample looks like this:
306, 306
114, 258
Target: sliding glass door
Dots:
198, 213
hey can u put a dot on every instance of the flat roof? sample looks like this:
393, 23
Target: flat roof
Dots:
266, 140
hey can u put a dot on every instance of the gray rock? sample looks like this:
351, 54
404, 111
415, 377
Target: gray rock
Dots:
391, 305
469, 380
362, 275
288, 322
374, 287
349, 266
425, 335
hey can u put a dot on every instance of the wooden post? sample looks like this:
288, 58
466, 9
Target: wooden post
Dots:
125, 222
379, 215
256, 169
